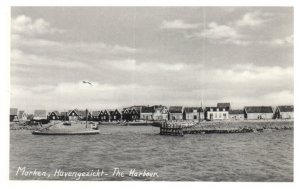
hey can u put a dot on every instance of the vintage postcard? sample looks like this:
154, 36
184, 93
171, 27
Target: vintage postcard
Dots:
202, 93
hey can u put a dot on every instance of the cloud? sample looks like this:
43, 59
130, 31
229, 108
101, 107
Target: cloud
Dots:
224, 34
19, 59
48, 46
236, 32
216, 31
253, 19
147, 67
178, 24
245, 84
278, 42
23, 24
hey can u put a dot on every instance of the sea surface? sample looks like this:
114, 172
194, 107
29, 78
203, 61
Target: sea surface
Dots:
266, 156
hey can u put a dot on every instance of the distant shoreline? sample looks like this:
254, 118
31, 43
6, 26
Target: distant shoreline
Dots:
224, 124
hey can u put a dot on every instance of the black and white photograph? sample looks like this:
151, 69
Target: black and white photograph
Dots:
151, 93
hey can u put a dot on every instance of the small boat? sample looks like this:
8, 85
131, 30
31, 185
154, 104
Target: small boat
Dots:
66, 129
87, 132
67, 123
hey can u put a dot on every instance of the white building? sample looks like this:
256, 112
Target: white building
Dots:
236, 114
193, 114
284, 112
215, 113
258, 112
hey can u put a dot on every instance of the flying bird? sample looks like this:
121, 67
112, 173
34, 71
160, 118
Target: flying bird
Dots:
87, 82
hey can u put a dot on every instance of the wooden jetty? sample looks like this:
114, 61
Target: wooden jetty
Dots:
174, 128
171, 129
180, 129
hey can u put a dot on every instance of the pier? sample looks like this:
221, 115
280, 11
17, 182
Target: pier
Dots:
182, 128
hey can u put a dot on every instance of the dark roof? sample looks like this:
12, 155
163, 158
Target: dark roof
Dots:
191, 109
95, 113
147, 109
75, 110
286, 108
236, 111
133, 110
55, 112
259, 109
130, 110
223, 105
106, 112
13, 111
40, 113
82, 113
63, 113
158, 107
115, 112
137, 108
175, 109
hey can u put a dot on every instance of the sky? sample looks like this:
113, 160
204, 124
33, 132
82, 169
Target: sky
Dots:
150, 55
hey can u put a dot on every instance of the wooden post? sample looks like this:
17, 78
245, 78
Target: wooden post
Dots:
86, 117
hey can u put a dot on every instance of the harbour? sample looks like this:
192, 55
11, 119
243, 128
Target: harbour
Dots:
208, 157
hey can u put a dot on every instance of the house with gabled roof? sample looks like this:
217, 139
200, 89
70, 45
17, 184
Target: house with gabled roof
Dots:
193, 113
160, 113
115, 115
40, 116
105, 115
284, 112
96, 115
125, 114
134, 115
73, 115
147, 113
84, 114
225, 105
22, 115
236, 114
13, 115
258, 112
130, 114
54, 115
217, 113
175, 113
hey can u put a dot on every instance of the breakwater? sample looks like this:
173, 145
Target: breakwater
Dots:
224, 127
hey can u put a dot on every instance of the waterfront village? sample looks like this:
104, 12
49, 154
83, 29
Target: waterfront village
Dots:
142, 114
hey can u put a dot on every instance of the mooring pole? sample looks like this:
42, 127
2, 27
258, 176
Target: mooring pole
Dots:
86, 117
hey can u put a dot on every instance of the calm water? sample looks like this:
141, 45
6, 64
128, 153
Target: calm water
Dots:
264, 156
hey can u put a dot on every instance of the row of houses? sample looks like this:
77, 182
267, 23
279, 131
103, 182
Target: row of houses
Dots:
222, 111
